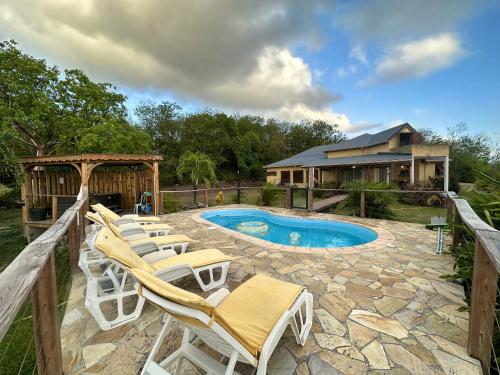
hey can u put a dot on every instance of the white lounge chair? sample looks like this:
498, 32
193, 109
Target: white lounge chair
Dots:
124, 219
139, 240
131, 230
244, 325
209, 267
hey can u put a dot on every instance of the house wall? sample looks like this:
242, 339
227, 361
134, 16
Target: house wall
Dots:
277, 179
358, 151
425, 170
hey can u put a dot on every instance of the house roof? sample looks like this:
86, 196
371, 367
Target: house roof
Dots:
88, 158
381, 158
367, 140
316, 155
299, 160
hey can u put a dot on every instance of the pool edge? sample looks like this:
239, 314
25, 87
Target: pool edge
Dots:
384, 237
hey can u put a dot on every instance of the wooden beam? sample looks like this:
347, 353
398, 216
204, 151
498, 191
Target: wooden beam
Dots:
482, 310
46, 320
156, 188
19, 277
74, 244
54, 208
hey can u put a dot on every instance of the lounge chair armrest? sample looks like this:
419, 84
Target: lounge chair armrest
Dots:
138, 236
217, 297
158, 255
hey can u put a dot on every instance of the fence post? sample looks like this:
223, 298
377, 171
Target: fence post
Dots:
46, 321
206, 197
73, 245
482, 308
362, 204
288, 197
82, 223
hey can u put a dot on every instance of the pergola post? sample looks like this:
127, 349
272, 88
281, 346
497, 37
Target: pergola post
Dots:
156, 188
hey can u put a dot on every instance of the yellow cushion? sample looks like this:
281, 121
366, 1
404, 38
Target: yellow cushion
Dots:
95, 218
195, 259
163, 240
150, 227
251, 311
105, 211
116, 231
117, 249
172, 293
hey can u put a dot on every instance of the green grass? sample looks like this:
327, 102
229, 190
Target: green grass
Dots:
416, 214
405, 212
18, 346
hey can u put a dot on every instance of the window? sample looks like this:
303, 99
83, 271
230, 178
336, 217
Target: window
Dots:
404, 139
352, 174
298, 177
285, 177
272, 173
384, 174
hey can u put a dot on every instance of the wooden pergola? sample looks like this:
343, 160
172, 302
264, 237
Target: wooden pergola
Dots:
36, 188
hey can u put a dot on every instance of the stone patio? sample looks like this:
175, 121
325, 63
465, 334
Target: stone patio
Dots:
382, 311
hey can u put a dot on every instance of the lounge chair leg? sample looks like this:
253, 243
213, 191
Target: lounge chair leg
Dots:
157, 345
232, 363
178, 367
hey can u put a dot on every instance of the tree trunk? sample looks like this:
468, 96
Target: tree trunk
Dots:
195, 188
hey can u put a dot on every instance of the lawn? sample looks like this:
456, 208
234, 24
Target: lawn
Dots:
405, 212
17, 351
416, 214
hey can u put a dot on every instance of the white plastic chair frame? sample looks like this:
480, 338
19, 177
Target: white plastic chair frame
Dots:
219, 339
130, 227
116, 273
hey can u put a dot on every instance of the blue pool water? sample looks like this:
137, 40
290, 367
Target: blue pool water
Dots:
290, 230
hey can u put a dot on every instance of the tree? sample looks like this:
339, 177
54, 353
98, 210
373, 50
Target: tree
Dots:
308, 134
47, 110
198, 167
115, 137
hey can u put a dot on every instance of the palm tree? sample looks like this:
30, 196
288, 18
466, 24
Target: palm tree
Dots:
199, 167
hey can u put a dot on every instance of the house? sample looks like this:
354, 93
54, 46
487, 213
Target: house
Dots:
396, 155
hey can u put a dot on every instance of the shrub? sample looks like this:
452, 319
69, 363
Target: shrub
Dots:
234, 197
270, 194
219, 198
376, 203
10, 196
171, 203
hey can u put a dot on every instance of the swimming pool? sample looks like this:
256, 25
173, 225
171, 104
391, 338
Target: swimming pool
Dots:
292, 231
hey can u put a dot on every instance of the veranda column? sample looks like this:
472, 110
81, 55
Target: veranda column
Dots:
412, 170
446, 172
310, 186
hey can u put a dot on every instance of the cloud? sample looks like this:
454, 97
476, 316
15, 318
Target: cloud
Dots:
418, 59
358, 53
394, 20
235, 55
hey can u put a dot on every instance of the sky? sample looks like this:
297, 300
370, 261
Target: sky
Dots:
363, 65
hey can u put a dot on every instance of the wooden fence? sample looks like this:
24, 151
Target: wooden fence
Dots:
48, 183
33, 272
484, 288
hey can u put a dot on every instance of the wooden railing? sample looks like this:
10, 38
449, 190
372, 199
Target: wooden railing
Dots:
33, 272
484, 287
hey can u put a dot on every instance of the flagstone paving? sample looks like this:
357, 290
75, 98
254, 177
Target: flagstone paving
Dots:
385, 311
